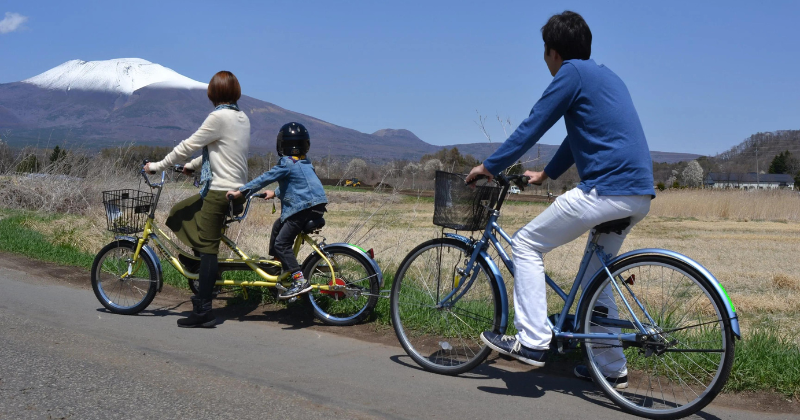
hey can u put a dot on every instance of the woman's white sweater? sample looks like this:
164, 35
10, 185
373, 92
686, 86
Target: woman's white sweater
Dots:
227, 134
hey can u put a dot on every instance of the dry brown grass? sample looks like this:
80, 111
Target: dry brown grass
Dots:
777, 205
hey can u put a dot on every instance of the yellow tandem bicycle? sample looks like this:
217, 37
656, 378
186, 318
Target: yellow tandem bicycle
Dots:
127, 273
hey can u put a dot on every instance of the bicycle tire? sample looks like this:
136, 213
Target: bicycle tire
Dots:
117, 290
691, 351
425, 331
352, 270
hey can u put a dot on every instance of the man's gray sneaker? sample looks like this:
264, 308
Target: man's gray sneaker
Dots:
509, 345
582, 372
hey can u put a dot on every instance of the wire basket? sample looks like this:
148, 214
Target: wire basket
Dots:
126, 210
461, 207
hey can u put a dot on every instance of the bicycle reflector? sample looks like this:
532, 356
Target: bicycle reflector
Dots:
335, 294
371, 253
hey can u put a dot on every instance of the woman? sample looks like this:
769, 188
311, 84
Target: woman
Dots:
197, 221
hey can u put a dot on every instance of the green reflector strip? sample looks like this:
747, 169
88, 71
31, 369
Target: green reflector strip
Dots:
362, 249
729, 298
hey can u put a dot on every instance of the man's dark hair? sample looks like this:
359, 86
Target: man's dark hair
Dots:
569, 35
224, 88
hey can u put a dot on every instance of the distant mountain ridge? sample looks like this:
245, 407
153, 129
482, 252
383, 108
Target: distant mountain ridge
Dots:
99, 104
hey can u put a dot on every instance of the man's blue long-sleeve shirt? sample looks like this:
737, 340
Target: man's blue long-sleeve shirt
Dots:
605, 139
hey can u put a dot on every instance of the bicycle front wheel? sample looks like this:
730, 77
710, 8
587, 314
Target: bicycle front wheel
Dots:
443, 336
686, 350
356, 283
122, 285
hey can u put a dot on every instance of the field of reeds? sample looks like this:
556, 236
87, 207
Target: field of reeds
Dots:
749, 240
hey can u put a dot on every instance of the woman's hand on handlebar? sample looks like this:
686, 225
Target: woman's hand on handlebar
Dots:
147, 170
476, 173
536, 178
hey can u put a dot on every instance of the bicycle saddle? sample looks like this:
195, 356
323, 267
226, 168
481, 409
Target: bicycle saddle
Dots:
616, 226
314, 224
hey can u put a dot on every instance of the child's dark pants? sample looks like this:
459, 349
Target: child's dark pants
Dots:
281, 242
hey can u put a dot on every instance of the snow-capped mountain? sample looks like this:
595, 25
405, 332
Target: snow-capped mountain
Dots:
121, 75
99, 104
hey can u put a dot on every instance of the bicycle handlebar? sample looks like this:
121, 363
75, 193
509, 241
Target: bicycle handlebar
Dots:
503, 180
147, 179
233, 217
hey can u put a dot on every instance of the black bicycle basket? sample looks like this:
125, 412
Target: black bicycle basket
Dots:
126, 210
461, 207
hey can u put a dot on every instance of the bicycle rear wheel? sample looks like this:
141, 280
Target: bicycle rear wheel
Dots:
688, 347
360, 286
122, 285
443, 337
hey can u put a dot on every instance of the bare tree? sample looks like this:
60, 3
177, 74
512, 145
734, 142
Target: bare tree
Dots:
692, 175
412, 169
672, 178
432, 166
356, 167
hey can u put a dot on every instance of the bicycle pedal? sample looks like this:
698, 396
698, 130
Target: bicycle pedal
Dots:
292, 299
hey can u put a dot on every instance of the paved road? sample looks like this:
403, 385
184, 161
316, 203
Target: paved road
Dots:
63, 357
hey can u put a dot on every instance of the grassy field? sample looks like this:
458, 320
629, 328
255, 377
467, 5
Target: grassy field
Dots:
749, 240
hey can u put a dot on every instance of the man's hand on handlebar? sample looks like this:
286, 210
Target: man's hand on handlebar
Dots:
536, 178
476, 172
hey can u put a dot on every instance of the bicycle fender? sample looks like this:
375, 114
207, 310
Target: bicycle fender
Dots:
150, 253
721, 292
342, 245
498, 278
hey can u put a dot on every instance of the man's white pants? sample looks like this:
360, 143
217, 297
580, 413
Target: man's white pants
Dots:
569, 217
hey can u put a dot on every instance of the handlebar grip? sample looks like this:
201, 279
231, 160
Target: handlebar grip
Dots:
178, 168
229, 197
477, 178
262, 195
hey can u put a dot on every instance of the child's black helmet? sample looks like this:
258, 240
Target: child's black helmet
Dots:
293, 140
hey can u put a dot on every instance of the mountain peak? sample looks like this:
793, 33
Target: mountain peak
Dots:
120, 75
390, 132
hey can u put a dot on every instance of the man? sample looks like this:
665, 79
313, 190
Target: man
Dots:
606, 142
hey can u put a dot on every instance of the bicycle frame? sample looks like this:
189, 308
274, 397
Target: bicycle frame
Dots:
490, 236
159, 237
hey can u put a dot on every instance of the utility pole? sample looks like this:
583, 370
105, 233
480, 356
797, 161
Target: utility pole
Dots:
758, 184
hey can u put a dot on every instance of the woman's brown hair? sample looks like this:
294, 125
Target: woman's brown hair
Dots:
224, 88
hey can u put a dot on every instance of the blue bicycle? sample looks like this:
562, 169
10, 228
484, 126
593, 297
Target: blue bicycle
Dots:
665, 314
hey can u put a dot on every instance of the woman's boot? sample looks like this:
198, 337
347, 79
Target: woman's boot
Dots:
202, 315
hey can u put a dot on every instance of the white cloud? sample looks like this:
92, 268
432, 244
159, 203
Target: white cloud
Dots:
12, 22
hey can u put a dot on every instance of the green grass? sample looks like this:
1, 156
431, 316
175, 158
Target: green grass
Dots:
16, 238
766, 360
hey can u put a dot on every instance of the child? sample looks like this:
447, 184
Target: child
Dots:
302, 199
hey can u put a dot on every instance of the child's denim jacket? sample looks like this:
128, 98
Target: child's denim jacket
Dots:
299, 187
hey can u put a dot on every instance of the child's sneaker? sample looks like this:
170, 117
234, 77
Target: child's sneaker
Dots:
299, 286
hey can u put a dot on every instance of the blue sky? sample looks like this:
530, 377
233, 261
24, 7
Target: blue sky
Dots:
703, 75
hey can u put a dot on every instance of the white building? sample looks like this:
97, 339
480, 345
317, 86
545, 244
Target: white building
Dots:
749, 181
